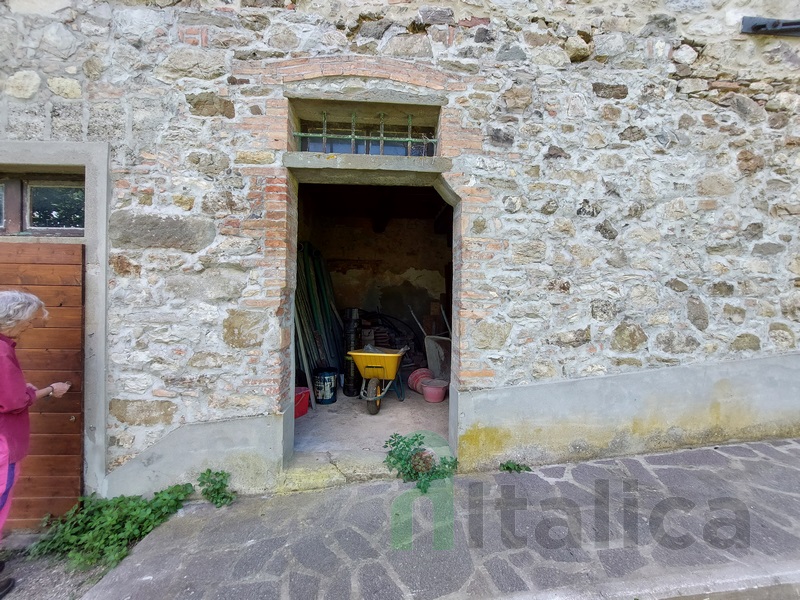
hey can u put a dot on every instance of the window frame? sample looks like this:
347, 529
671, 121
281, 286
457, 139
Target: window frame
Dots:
17, 206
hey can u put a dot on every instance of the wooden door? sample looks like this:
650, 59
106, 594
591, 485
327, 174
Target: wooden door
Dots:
50, 480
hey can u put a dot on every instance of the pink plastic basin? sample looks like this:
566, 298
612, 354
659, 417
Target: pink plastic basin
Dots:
416, 377
434, 390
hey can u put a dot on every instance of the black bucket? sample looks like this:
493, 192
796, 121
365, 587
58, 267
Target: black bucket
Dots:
352, 378
325, 385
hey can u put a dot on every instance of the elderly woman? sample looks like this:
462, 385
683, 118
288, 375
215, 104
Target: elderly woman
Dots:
17, 313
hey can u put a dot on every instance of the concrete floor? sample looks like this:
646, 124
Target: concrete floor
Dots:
341, 442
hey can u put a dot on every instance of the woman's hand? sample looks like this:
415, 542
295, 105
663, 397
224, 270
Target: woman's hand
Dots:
54, 389
59, 389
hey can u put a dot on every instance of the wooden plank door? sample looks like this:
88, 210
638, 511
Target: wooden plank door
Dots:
50, 480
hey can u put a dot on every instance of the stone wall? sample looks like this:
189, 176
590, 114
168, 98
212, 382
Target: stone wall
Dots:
628, 175
403, 265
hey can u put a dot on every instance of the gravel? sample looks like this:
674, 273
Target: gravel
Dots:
46, 578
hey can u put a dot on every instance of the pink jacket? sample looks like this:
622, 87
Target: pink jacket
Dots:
15, 398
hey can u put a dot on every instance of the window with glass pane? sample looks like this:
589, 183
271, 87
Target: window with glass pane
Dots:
389, 148
41, 204
338, 140
58, 205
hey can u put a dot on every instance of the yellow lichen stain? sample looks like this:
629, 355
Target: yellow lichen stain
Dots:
250, 473
715, 412
581, 438
305, 479
480, 446
642, 425
479, 443
728, 411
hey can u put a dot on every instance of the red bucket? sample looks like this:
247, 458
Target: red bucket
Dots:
302, 397
416, 377
434, 390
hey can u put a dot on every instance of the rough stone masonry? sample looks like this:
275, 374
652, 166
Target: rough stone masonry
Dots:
627, 174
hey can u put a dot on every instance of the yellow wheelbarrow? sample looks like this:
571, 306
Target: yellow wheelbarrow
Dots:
376, 369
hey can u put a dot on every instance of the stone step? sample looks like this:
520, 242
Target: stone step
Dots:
320, 470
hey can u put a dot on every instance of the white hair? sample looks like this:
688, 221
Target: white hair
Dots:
17, 307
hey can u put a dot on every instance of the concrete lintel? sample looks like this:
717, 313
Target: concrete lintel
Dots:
446, 192
311, 167
356, 89
367, 162
352, 177
630, 413
48, 155
250, 449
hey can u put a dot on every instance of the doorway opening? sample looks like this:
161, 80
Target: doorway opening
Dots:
387, 252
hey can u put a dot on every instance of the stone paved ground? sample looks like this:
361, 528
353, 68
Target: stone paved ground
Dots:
648, 527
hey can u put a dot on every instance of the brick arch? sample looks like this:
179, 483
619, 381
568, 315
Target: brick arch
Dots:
456, 137
300, 69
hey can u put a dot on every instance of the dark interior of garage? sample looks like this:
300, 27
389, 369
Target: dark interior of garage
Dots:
379, 260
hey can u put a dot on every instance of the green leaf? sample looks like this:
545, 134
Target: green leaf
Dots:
513, 467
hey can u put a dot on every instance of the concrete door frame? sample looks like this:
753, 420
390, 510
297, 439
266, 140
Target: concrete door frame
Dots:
92, 159
306, 167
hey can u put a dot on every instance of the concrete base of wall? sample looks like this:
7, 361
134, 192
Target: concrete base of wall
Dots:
537, 424
250, 449
631, 413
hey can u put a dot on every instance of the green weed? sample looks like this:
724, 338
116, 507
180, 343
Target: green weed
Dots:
413, 462
101, 531
513, 467
214, 487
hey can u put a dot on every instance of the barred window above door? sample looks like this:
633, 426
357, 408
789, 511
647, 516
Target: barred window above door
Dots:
365, 128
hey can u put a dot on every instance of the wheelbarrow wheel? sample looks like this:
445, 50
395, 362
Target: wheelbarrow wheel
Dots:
373, 390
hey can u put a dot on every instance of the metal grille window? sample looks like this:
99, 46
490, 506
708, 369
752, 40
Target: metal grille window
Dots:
364, 128
380, 138
42, 205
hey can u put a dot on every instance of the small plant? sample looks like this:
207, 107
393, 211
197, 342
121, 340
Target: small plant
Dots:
214, 487
413, 462
101, 531
513, 467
